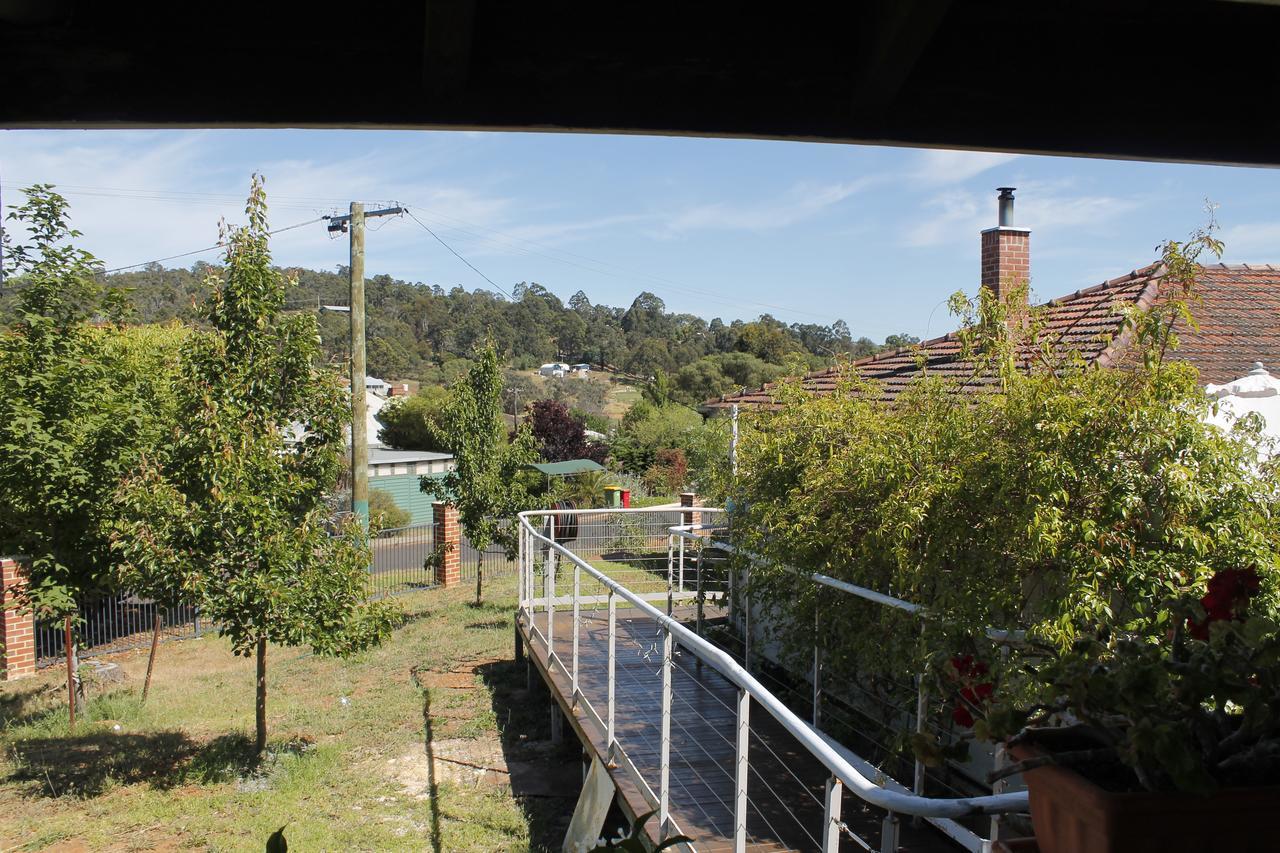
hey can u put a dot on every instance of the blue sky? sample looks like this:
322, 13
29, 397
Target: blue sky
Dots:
732, 228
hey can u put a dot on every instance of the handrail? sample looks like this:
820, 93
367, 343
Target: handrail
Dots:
841, 769
961, 834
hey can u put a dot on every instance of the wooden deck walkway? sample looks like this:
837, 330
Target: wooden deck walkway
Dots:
786, 783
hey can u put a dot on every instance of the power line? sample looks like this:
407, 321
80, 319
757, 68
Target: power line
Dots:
213, 247
493, 237
663, 283
458, 256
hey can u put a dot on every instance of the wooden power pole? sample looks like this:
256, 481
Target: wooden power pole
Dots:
359, 411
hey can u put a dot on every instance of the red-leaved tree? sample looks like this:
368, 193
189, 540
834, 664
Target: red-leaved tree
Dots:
561, 435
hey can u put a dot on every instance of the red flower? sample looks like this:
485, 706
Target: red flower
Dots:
966, 667
973, 693
1227, 599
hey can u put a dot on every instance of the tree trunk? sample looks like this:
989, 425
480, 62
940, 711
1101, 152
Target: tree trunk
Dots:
151, 658
479, 576
260, 743
68, 646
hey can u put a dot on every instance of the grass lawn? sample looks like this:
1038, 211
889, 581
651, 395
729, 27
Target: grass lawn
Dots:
357, 747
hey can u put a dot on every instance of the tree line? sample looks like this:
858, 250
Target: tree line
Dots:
430, 334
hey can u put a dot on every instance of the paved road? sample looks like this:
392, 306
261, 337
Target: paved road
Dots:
407, 554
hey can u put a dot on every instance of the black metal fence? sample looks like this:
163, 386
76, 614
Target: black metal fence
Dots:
115, 624
125, 621
400, 558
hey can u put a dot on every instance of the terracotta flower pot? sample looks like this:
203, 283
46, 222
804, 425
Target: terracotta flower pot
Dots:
1073, 815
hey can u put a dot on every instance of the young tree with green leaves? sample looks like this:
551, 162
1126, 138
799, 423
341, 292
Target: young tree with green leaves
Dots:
76, 413
232, 512
486, 482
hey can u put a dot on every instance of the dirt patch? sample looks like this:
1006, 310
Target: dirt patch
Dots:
448, 680
460, 761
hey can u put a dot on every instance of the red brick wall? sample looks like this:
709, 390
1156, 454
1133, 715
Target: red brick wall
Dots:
691, 500
448, 533
17, 630
1006, 259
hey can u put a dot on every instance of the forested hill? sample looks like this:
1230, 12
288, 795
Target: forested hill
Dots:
421, 332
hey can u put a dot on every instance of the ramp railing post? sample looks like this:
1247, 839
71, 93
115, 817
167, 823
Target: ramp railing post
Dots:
577, 617
681, 573
889, 834
613, 659
664, 761
740, 768
831, 827
697, 567
817, 666
671, 565
549, 581
922, 707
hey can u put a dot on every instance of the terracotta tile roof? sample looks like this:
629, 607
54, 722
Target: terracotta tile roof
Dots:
1238, 314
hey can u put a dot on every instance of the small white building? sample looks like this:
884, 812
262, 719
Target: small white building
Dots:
378, 386
555, 369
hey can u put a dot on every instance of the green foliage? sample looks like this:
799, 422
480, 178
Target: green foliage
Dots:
586, 490
385, 513
1191, 712
706, 448
1062, 500
669, 471
414, 423
79, 406
231, 514
486, 484
646, 429
423, 332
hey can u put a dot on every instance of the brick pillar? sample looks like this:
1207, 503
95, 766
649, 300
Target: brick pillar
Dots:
690, 499
17, 630
448, 534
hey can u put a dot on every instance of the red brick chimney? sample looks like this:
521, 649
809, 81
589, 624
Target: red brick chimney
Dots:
1006, 252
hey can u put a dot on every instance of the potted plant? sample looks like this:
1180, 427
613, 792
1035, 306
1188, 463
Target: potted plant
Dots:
1165, 740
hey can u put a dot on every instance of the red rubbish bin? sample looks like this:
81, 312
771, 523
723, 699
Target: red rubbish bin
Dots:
626, 498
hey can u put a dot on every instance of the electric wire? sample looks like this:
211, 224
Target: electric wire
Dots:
409, 212
219, 245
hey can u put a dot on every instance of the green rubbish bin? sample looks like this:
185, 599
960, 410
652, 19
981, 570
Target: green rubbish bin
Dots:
612, 497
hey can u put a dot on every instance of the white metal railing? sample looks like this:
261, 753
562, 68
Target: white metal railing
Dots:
845, 768
959, 833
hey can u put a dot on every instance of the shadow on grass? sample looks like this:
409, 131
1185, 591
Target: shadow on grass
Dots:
92, 760
488, 625
545, 778
26, 704
86, 764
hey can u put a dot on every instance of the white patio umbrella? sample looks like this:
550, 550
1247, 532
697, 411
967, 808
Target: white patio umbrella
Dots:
1257, 391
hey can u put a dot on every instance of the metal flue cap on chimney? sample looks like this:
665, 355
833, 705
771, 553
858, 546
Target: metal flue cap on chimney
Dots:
1006, 205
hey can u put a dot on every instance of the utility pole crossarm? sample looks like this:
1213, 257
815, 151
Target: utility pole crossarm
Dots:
338, 223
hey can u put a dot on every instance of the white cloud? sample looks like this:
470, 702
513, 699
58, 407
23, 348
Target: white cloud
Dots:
958, 215
803, 201
939, 166
143, 195
1256, 241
